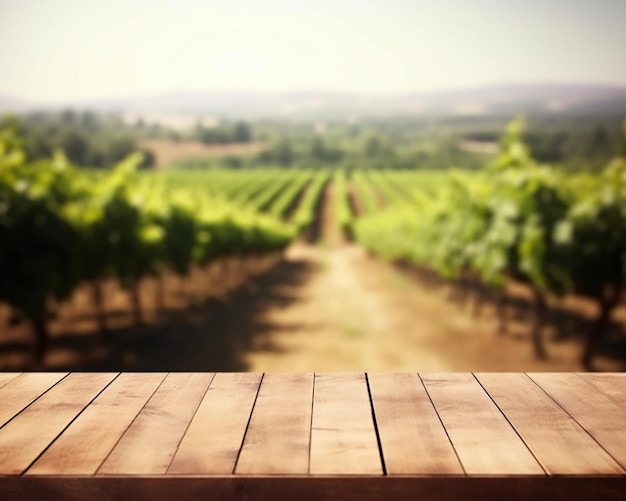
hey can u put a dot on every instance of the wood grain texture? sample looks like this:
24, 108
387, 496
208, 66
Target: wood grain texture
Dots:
278, 437
484, 440
412, 437
305, 436
343, 436
597, 413
560, 444
214, 437
82, 448
7, 377
21, 391
610, 384
24, 438
149, 444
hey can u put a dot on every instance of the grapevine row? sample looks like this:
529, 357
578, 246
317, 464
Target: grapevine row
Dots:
561, 234
59, 229
306, 212
365, 192
343, 212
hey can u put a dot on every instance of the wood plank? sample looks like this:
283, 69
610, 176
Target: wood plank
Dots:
25, 437
82, 448
482, 437
412, 437
149, 444
611, 384
23, 390
343, 436
7, 377
560, 444
598, 414
216, 432
278, 437
345, 488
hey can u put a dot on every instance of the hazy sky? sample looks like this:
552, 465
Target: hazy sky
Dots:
55, 50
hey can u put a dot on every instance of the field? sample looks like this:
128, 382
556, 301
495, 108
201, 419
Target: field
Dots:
270, 269
168, 152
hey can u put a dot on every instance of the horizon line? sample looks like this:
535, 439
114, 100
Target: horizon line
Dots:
370, 94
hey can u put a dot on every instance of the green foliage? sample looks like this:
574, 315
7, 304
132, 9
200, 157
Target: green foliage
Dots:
240, 132
282, 153
87, 139
561, 233
305, 213
343, 212
365, 192
264, 198
288, 196
60, 226
389, 190
322, 152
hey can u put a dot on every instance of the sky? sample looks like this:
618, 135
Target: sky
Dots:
60, 50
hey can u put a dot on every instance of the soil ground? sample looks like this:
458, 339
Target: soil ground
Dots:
167, 152
327, 306
340, 309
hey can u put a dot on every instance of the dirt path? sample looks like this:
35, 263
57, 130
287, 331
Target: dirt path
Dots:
337, 321
355, 313
332, 307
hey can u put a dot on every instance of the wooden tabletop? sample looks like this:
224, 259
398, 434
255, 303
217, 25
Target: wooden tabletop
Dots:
85, 431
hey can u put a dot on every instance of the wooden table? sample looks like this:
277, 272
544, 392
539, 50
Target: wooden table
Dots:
312, 436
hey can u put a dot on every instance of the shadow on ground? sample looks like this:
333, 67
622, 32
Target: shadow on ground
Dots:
562, 323
211, 336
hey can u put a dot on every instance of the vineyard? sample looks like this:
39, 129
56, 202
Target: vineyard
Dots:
518, 220
63, 229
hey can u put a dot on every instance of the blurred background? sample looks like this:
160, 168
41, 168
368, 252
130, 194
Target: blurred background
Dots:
312, 186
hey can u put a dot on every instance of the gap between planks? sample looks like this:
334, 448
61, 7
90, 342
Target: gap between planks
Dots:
367, 424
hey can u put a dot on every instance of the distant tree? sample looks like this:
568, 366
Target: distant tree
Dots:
119, 148
265, 157
283, 152
318, 151
96, 157
482, 136
547, 147
215, 135
76, 146
599, 142
232, 162
89, 120
149, 160
322, 152
373, 146
68, 117
242, 133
